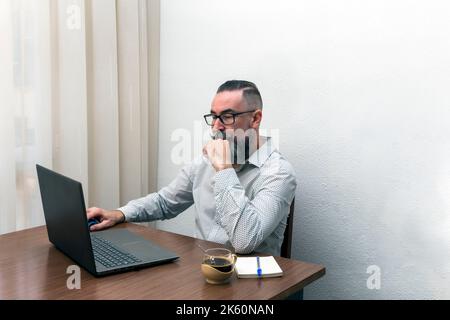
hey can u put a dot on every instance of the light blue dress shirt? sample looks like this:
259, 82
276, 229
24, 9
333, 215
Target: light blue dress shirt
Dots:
245, 208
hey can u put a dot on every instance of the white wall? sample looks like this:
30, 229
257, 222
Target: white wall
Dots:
359, 91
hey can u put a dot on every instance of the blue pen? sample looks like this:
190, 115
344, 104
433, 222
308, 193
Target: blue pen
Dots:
259, 271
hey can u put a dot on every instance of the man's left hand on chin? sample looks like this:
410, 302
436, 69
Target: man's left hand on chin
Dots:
218, 153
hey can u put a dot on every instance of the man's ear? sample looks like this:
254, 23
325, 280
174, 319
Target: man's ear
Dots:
257, 117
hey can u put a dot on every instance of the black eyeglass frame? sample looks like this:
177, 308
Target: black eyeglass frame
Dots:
214, 117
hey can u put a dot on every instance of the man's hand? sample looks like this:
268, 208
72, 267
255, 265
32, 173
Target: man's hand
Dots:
218, 153
107, 218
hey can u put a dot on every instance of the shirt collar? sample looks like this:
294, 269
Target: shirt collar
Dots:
263, 153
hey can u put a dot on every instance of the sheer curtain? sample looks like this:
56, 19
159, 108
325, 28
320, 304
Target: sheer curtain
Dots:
75, 82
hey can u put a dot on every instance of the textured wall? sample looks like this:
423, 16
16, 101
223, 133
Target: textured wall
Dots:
359, 92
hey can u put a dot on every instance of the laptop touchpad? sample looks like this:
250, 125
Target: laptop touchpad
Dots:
142, 249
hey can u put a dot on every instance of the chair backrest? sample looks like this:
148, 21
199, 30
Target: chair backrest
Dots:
287, 241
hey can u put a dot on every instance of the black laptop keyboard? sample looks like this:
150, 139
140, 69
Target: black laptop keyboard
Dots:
109, 255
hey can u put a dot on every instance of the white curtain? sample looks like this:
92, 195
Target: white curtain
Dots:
74, 97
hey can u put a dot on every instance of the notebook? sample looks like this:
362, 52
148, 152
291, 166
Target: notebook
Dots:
247, 267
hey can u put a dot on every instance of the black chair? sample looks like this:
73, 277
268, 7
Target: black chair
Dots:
287, 245
287, 241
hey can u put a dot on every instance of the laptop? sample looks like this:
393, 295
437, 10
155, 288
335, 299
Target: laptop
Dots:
102, 252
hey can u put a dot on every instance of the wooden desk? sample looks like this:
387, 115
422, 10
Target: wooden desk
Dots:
32, 268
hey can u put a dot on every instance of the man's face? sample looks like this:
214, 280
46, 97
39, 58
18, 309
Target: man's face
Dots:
242, 134
231, 101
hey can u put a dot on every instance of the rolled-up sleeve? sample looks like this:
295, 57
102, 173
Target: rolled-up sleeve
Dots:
249, 222
164, 204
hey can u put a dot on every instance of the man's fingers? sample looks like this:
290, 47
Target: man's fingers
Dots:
93, 213
99, 226
207, 149
90, 214
217, 149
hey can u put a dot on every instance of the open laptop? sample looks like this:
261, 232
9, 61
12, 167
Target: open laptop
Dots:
102, 252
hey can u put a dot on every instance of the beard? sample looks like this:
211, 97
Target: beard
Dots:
242, 143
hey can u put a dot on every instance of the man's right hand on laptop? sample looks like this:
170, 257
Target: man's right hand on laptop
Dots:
107, 218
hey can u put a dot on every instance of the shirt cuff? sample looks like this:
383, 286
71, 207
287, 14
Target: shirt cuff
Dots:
128, 212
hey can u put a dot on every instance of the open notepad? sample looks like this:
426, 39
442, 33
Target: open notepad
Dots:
247, 267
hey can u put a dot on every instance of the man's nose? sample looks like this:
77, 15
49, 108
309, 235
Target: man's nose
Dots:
218, 125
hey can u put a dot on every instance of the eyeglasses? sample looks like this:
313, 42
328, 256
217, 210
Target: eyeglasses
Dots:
226, 118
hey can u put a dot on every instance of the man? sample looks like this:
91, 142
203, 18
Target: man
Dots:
241, 187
